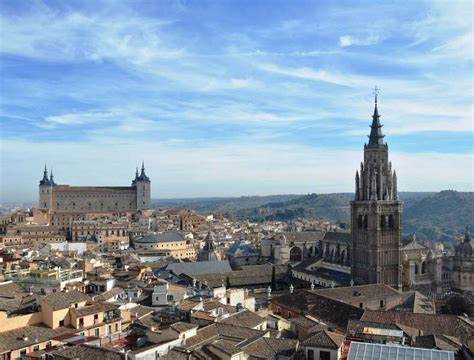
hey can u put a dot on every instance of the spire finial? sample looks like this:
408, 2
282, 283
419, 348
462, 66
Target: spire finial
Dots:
376, 136
376, 93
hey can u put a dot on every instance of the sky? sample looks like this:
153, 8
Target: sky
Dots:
231, 98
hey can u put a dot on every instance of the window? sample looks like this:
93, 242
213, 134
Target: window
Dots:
61, 322
96, 332
81, 322
381, 303
310, 354
324, 355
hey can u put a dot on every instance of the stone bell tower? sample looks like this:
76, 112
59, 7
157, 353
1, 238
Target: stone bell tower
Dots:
376, 215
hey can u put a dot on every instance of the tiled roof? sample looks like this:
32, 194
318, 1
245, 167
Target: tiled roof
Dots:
332, 312
244, 318
87, 352
271, 348
211, 332
168, 236
303, 236
63, 300
109, 294
93, 308
14, 298
201, 267
430, 324
439, 342
140, 310
325, 339
30, 335
249, 275
181, 326
338, 236
354, 295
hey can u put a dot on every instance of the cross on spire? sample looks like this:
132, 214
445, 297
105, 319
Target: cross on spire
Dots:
376, 92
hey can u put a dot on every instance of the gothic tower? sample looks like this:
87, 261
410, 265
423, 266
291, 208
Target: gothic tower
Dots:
376, 215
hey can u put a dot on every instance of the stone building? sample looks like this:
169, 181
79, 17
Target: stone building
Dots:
208, 251
171, 243
376, 215
422, 268
66, 202
462, 265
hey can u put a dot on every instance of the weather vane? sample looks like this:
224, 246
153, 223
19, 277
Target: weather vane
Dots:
376, 92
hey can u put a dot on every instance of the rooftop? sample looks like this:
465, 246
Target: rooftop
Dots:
63, 300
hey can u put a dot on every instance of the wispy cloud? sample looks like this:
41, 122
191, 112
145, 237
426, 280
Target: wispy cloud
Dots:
348, 40
280, 83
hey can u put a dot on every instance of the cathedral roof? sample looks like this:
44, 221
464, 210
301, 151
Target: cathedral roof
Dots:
414, 245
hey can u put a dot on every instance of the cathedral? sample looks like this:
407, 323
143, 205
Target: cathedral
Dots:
376, 215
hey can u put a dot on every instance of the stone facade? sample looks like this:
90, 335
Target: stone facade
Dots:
73, 200
95, 199
376, 215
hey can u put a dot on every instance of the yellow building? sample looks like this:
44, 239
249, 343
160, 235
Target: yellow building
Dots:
62, 315
171, 241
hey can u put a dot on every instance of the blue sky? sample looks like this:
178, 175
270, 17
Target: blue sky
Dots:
233, 97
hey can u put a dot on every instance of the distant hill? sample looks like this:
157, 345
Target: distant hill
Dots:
440, 216
221, 204
433, 216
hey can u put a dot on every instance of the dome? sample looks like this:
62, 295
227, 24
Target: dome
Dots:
465, 248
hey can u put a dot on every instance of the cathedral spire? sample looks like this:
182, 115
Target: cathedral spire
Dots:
357, 186
376, 136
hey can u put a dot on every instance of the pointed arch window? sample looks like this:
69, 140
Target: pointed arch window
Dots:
391, 222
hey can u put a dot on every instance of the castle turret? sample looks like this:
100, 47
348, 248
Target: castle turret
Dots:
142, 184
45, 190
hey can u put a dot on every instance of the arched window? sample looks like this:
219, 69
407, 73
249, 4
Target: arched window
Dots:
423, 267
416, 269
382, 222
359, 221
366, 221
391, 222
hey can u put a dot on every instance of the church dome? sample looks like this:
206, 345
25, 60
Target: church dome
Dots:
465, 248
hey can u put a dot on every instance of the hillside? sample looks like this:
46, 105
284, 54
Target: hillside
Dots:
436, 216
440, 216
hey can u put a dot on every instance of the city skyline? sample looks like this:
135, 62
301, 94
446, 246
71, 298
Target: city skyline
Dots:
221, 105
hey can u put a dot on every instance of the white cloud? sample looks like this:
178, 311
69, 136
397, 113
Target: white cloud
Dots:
347, 40
219, 169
